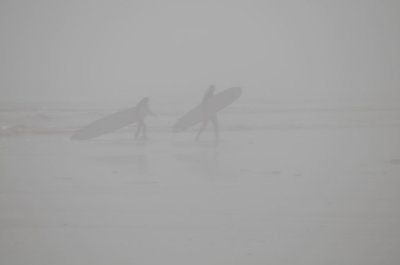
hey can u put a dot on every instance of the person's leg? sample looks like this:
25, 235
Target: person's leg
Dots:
144, 131
139, 129
203, 126
214, 120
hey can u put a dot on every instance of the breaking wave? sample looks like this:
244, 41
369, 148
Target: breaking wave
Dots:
67, 121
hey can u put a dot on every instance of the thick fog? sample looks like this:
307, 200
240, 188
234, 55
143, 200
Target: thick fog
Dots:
115, 52
199, 132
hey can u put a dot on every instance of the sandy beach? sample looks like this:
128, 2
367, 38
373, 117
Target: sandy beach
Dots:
306, 96
294, 196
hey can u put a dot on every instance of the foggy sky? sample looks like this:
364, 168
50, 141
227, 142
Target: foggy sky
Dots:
119, 51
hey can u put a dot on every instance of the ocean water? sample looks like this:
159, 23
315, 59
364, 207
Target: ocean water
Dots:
16, 121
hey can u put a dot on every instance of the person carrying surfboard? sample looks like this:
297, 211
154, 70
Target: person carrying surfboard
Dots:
143, 110
208, 115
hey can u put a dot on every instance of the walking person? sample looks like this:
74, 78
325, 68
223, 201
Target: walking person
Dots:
208, 115
143, 110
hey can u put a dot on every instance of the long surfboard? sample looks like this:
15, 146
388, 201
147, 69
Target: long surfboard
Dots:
107, 124
217, 103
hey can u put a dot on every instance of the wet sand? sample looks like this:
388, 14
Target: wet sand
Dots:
312, 196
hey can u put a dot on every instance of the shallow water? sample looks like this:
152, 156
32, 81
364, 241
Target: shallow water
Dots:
15, 122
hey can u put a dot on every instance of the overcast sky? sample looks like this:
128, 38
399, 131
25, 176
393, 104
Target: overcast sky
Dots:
119, 51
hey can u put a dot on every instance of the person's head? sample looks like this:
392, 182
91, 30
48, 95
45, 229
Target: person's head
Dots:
211, 88
144, 101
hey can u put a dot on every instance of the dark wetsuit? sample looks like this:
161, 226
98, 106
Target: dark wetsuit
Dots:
143, 110
208, 115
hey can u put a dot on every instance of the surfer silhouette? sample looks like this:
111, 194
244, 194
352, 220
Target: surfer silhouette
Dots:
208, 115
143, 110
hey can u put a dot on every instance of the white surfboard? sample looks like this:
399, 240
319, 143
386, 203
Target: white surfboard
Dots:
107, 124
217, 103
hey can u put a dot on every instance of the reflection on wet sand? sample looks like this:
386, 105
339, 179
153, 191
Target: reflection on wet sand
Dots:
137, 163
204, 163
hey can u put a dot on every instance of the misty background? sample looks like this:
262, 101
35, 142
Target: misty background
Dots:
112, 53
307, 169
